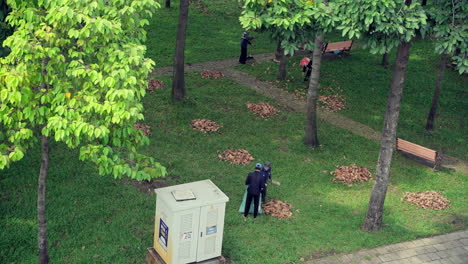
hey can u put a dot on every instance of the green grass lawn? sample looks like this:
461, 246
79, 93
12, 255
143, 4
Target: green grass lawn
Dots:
214, 35
365, 84
95, 219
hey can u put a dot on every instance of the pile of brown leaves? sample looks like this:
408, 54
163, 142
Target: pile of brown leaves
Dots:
264, 110
146, 129
277, 208
236, 156
204, 125
154, 84
428, 200
212, 74
332, 103
351, 173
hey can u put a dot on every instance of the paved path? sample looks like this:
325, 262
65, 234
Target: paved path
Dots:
450, 248
290, 101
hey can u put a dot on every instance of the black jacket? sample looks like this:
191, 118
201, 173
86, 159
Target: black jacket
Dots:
256, 182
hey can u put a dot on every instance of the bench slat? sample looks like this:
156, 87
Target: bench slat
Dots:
416, 150
342, 45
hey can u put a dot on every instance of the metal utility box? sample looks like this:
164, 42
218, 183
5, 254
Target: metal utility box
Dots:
189, 222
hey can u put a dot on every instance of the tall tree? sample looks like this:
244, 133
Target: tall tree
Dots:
450, 27
325, 17
168, 3
384, 24
76, 74
178, 82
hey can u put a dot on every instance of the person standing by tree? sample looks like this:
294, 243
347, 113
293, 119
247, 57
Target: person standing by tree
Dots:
245, 41
256, 184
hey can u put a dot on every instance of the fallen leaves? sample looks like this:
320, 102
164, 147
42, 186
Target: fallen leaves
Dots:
332, 103
154, 84
351, 173
236, 156
277, 208
204, 125
211, 74
145, 128
427, 200
263, 109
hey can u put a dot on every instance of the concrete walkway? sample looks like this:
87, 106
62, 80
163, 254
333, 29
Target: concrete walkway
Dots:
290, 101
450, 248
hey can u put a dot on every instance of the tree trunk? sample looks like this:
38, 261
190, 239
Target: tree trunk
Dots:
424, 2
279, 51
311, 137
168, 3
282, 63
435, 98
373, 221
178, 83
41, 202
385, 60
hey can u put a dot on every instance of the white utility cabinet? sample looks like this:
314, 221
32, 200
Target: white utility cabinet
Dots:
189, 222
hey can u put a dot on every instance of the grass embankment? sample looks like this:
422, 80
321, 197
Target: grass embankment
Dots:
211, 35
365, 84
94, 219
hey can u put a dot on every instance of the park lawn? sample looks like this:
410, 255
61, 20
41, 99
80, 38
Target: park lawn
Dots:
96, 219
365, 84
214, 35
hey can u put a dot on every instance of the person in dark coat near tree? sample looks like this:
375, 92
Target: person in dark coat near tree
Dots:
245, 41
256, 183
266, 171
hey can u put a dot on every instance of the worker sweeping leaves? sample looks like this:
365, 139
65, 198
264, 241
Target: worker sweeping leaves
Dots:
256, 184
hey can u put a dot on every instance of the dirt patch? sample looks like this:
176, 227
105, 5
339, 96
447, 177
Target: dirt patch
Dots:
148, 186
319, 254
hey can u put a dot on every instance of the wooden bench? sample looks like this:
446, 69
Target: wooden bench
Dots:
334, 47
418, 151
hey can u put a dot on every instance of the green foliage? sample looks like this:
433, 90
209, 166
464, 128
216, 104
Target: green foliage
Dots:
383, 24
293, 22
450, 26
77, 73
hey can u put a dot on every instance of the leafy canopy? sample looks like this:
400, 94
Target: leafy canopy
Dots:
382, 24
293, 22
76, 73
450, 27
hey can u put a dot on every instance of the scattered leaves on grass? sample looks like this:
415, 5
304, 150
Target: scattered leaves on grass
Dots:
146, 129
263, 109
212, 74
332, 103
351, 173
204, 125
428, 200
200, 5
277, 208
154, 84
236, 156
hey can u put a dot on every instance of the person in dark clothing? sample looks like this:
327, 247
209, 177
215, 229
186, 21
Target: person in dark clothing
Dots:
307, 67
266, 171
245, 41
256, 183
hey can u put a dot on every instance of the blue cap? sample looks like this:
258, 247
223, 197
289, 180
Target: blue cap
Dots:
258, 166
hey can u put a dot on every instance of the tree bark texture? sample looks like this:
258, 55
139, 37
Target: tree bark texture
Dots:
168, 3
435, 97
385, 60
279, 51
282, 64
311, 134
178, 83
373, 221
41, 202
